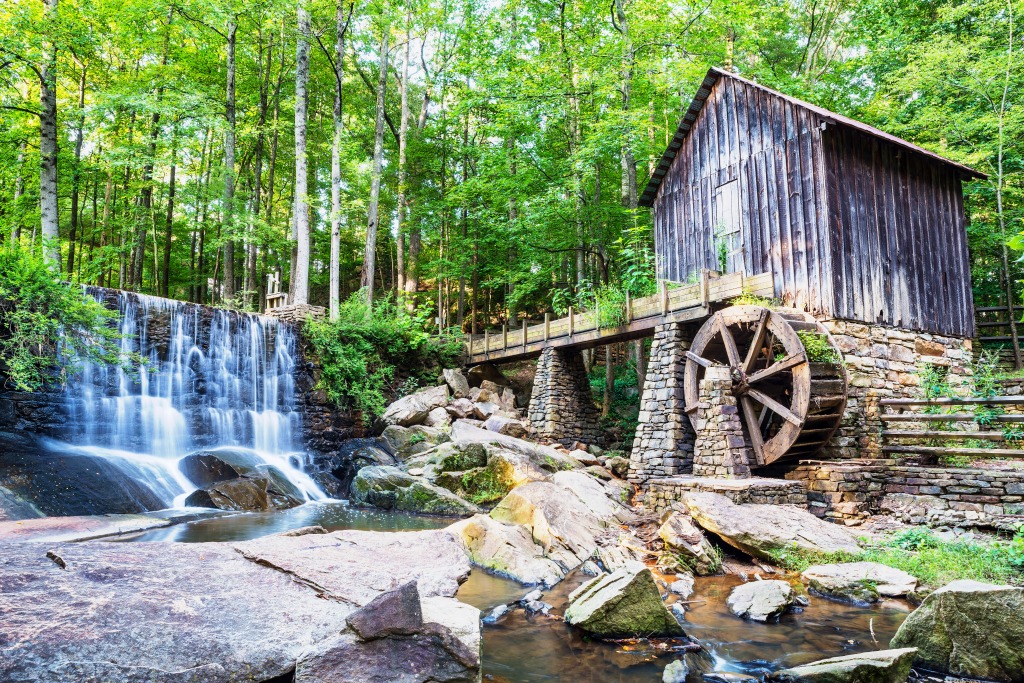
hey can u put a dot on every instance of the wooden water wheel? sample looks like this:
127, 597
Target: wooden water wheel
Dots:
791, 398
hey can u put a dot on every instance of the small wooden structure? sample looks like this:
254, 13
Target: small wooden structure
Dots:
852, 222
275, 297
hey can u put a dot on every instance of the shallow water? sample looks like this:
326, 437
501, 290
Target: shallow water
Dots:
332, 515
538, 648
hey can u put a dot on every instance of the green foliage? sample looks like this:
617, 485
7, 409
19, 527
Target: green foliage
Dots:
934, 380
609, 306
818, 348
362, 352
48, 326
934, 561
985, 374
721, 250
749, 299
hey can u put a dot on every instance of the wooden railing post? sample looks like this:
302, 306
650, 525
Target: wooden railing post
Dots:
547, 326
525, 332
629, 308
572, 322
487, 343
664, 297
504, 337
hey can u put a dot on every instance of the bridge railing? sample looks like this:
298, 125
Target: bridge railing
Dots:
670, 298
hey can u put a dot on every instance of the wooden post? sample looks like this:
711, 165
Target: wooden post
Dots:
629, 308
572, 322
547, 326
525, 332
705, 293
470, 335
504, 337
664, 297
487, 343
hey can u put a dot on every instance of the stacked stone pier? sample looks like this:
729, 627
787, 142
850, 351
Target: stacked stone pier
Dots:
561, 407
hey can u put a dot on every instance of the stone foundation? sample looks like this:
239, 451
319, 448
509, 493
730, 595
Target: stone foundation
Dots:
562, 408
720, 449
661, 493
664, 440
850, 491
297, 313
884, 362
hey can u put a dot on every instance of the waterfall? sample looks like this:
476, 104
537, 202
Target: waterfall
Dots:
205, 379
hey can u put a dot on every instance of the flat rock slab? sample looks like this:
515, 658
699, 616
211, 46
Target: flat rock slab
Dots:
849, 579
81, 528
882, 666
203, 612
761, 530
623, 603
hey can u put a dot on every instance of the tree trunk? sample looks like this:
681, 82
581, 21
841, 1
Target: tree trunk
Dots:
370, 251
76, 174
229, 166
48, 141
403, 136
169, 224
300, 273
335, 269
19, 191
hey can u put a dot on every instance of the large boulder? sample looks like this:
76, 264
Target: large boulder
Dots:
687, 542
390, 488
881, 666
858, 582
623, 603
242, 494
506, 425
228, 493
486, 372
503, 471
209, 612
968, 628
414, 408
763, 531
456, 381
203, 469
406, 442
548, 459
761, 600
595, 495
507, 550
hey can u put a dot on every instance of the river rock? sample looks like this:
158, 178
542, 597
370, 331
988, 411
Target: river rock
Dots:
682, 586
594, 495
414, 408
545, 457
882, 666
483, 410
505, 425
395, 613
969, 628
486, 371
456, 381
763, 530
390, 488
507, 550
684, 539
281, 492
623, 603
618, 465
405, 442
858, 582
460, 408
761, 600
675, 672
204, 612
240, 494
438, 418
504, 470
203, 469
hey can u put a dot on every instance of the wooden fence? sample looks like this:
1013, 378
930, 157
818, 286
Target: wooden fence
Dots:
910, 431
671, 303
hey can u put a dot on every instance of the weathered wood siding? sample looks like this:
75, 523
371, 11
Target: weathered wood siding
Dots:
850, 225
773, 148
899, 240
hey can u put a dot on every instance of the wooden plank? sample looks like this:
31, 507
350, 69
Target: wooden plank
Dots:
943, 450
948, 417
943, 436
994, 401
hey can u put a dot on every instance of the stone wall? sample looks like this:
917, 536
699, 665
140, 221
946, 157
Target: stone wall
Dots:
297, 313
664, 440
852, 490
661, 493
720, 449
562, 408
884, 362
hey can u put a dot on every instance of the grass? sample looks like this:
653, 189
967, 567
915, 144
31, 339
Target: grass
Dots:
933, 561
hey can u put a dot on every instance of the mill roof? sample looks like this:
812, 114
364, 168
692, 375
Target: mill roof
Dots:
714, 75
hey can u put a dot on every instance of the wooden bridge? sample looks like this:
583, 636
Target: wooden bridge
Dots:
690, 302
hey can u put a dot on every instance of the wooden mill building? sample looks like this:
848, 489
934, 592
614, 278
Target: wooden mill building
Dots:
852, 223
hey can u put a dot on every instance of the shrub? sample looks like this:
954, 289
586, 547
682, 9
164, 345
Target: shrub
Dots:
361, 353
47, 327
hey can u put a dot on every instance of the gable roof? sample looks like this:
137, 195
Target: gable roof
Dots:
711, 79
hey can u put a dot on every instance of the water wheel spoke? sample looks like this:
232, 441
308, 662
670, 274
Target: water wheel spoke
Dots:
790, 361
776, 407
753, 427
703, 362
731, 349
755, 345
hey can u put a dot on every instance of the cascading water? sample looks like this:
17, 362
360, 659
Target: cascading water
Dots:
208, 379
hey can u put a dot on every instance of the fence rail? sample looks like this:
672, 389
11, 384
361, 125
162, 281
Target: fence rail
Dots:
671, 303
898, 427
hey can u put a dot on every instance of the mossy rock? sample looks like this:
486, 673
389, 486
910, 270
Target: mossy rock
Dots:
458, 457
390, 488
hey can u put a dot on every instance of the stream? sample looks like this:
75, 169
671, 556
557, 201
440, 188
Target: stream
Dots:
523, 648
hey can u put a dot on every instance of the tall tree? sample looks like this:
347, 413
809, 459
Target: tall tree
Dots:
300, 273
370, 250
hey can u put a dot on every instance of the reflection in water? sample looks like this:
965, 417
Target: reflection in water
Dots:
538, 648
332, 515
